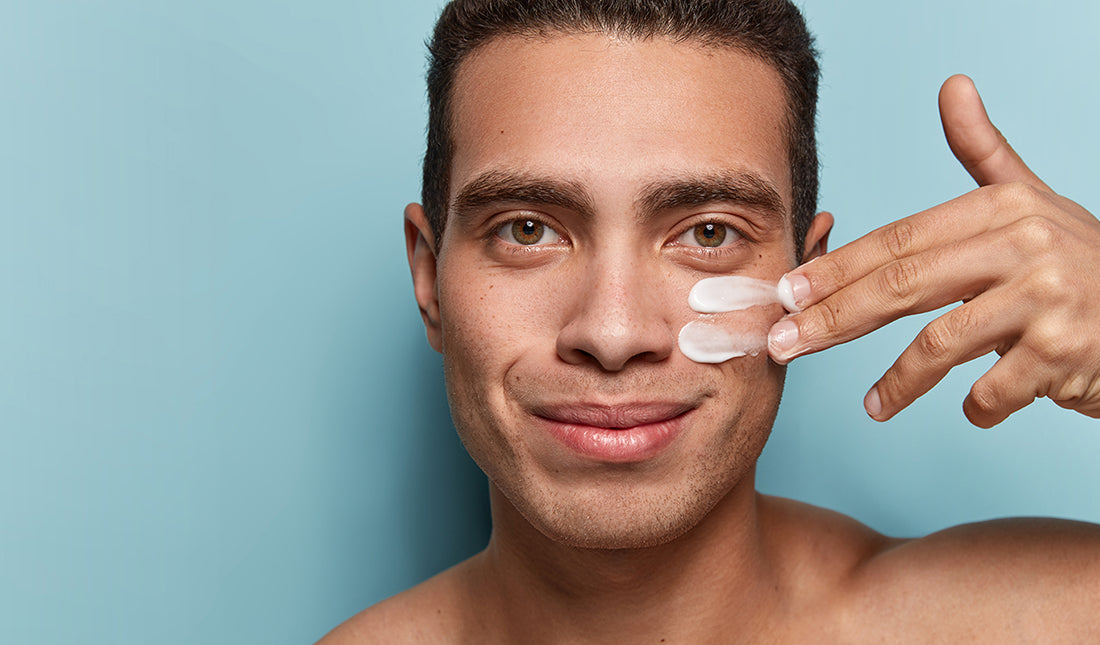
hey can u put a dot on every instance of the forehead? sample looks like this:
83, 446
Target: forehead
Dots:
616, 113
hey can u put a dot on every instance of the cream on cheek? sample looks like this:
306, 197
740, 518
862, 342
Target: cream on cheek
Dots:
704, 341
714, 339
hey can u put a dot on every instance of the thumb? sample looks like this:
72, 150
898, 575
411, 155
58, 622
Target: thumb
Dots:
977, 144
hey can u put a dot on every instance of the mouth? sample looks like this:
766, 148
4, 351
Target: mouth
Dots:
625, 433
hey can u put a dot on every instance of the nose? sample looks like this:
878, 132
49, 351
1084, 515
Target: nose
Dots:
619, 316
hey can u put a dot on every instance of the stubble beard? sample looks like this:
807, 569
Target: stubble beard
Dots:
619, 515
622, 509
623, 506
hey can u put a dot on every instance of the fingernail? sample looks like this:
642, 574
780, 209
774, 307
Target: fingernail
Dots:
783, 336
873, 403
793, 291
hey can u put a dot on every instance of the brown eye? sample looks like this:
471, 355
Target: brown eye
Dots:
528, 232
710, 234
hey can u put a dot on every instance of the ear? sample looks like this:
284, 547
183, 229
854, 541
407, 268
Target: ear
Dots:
817, 237
420, 248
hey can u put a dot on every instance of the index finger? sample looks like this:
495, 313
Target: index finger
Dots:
960, 218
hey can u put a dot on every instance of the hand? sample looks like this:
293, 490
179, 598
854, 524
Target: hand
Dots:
1024, 262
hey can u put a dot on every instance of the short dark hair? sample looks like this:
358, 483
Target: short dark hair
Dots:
772, 30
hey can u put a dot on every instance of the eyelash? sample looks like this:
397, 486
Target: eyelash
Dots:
496, 225
493, 234
710, 251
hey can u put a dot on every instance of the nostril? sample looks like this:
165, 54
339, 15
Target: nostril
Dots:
616, 322
610, 359
588, 356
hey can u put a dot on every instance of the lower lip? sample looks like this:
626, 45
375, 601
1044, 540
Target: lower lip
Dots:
617, 445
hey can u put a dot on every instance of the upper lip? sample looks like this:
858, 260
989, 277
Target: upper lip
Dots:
621, 416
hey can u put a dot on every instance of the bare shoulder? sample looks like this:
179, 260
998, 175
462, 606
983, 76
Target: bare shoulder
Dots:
997, 581
430, 612
1015, 580
818, 550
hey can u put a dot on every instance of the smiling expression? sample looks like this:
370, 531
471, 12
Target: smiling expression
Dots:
595, 180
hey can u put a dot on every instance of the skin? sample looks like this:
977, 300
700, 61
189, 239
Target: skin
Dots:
673, 546
1024, 261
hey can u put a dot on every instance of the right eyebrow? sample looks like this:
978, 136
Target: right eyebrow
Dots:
499, 187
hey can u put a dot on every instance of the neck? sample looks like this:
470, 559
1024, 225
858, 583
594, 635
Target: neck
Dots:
713, 581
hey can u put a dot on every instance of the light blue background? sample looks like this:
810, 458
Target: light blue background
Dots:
220, 421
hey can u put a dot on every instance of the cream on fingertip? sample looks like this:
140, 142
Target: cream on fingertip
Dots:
786, 295
793, 288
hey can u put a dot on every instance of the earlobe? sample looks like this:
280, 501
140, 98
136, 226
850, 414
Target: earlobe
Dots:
420, 248
817, 237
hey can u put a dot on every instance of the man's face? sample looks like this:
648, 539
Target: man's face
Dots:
594, 181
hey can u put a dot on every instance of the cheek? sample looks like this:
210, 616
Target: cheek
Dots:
490, 320
717, 338
753, 386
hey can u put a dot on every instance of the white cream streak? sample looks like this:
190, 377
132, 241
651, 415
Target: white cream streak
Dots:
706, 342
731, 293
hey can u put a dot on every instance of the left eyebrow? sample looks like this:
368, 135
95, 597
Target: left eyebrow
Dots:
737, 187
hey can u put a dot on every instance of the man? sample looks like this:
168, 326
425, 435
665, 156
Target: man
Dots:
586, 166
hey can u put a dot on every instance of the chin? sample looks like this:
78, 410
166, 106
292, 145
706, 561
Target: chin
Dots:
624, 505
628, 535
633, 515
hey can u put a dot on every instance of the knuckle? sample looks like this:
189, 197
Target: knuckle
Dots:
963, 320
897, 237
1017, 195
935, 342
1034, 235
1051, 285
960, 322
899, 279
985, 398
1074, 391
828, 272
1050, 343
